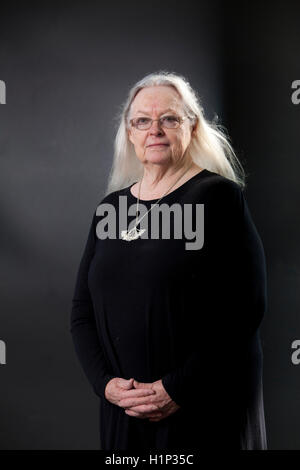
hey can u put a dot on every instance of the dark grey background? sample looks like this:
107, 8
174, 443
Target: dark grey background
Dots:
67, 68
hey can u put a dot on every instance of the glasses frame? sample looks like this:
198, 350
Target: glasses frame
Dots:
181, 119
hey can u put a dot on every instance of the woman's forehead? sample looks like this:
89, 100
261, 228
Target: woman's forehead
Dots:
162, 98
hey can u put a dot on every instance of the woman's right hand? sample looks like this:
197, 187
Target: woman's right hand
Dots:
117, 389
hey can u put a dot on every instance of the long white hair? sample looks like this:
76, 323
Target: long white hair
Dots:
209, 147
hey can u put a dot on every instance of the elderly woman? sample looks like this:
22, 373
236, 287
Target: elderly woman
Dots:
167, 330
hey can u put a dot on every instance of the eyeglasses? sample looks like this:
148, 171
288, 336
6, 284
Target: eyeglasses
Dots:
169, 122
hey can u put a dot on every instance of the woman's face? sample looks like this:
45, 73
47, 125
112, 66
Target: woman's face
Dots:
155, 102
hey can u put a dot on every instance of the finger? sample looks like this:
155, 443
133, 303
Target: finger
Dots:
152, 414
143, 408
135, 401
130, 402
133, 393
127, 384
133, 413
137, 384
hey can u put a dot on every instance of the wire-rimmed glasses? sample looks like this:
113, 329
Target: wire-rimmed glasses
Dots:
168, 122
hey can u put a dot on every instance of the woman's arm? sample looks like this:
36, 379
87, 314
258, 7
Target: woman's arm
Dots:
83, 325
232, 302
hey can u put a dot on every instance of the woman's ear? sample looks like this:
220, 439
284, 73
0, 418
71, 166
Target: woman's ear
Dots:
194, 128
129, 135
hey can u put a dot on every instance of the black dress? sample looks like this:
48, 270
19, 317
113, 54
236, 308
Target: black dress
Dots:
154, 309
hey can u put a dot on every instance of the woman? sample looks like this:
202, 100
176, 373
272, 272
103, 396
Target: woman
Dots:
168, 336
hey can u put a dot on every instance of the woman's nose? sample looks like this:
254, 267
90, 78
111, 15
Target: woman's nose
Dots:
156, 128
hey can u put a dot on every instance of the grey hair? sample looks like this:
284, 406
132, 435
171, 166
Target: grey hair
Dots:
209, 147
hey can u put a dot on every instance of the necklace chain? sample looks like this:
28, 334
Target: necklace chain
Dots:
137, 206
134, 233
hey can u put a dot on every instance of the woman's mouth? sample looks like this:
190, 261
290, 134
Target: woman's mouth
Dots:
158, 145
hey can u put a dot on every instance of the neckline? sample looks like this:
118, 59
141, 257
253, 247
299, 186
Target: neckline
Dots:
180, 188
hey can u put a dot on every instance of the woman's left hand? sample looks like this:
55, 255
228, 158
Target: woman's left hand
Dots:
155, 407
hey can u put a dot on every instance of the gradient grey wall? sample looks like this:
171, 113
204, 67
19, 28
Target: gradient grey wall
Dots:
67, 67
261, 63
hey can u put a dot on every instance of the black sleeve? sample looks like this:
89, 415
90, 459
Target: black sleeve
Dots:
83, 325
232, 301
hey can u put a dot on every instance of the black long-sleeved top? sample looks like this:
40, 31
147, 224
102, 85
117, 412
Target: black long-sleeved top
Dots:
152, 309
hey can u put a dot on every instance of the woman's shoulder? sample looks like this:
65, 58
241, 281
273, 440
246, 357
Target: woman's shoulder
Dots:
112, 197
220, 182
220, 188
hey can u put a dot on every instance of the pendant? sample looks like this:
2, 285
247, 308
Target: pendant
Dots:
132, 234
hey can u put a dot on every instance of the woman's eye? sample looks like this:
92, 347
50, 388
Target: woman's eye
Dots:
142, 120
170, 118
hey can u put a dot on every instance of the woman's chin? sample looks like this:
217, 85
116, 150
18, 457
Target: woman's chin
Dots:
158, 157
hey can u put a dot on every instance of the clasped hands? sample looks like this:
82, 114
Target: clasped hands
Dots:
141, 400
